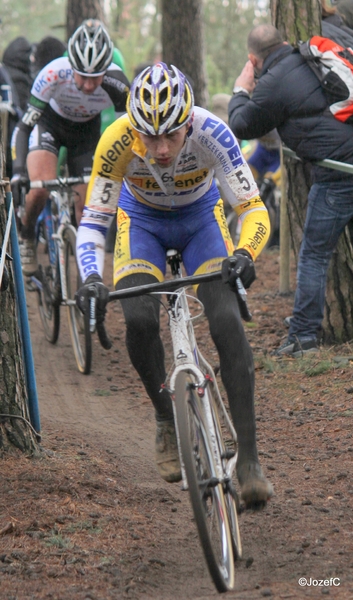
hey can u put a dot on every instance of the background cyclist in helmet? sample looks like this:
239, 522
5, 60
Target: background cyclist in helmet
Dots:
64, 109
158, 164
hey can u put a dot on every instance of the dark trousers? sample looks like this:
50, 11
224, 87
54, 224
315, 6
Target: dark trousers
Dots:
236, 361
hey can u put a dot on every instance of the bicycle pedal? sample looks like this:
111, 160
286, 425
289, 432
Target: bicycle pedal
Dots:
209, 483
228, 454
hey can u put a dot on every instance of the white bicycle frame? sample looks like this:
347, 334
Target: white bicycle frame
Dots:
187, 357
212, 424
60, 199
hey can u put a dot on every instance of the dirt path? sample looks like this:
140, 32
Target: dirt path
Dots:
95, 521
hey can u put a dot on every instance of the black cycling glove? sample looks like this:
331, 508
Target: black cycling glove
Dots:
19, 181
100, 291
239, 265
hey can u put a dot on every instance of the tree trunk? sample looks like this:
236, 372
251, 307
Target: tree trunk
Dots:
338, 321
15, 432
182, 42
79, 10
298, 20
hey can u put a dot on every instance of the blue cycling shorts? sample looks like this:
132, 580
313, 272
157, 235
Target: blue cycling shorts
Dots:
198, 231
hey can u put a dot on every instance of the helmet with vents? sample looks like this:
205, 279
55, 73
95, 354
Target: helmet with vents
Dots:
160, 101
90, 49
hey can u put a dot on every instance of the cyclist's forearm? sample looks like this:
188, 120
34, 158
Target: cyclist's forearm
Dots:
255, 230
98, 214
90, 245
20, 137
19, 148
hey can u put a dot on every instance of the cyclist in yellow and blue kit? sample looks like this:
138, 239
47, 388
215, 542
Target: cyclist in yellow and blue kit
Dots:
158, 163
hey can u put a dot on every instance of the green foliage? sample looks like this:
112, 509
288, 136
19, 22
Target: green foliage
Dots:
226, 27
57, 540
101, 393
265, 363
134, 26
85, 526
33, 19
318, 368
138, 32
311, 364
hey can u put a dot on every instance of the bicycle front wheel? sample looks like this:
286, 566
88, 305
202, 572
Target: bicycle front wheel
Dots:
206, 492
79, 326
227, 445
49, 290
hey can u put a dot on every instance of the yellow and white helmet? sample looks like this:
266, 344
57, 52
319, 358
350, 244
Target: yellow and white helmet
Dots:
161, 100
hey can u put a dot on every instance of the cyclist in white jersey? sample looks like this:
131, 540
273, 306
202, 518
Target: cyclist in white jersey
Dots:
158, 163
67, 98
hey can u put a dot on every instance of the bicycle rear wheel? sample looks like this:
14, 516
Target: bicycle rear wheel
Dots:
206, 493
79, 326
49, 290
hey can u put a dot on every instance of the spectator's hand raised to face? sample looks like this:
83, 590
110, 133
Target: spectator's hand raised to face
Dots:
246, 78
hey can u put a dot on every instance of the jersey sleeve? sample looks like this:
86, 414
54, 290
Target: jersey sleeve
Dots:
20, 137
246, 201
111, 157
238, 185
255, 226
116, 85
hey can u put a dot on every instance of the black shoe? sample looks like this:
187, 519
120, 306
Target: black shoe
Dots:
167, 454
255, 488
296, 347
287, 320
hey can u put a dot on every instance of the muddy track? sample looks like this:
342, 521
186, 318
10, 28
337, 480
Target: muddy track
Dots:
306, 531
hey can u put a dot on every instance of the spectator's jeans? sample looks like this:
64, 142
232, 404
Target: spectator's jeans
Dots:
330, 207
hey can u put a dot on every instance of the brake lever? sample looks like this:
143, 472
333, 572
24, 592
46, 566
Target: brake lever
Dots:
92, 303
243, 303
93, 326
241, 294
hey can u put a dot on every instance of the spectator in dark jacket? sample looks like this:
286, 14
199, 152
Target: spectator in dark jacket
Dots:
345, 10
16, 59
334, 26
11, 113
288, 96
44, 52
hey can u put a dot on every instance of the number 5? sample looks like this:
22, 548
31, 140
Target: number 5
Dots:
243, 180
106, 192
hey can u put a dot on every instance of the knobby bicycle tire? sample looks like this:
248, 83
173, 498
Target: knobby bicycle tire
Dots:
49, 291
227, 447
206, 494
79, 326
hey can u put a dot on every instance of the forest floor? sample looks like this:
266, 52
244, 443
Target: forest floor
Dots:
90, 519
